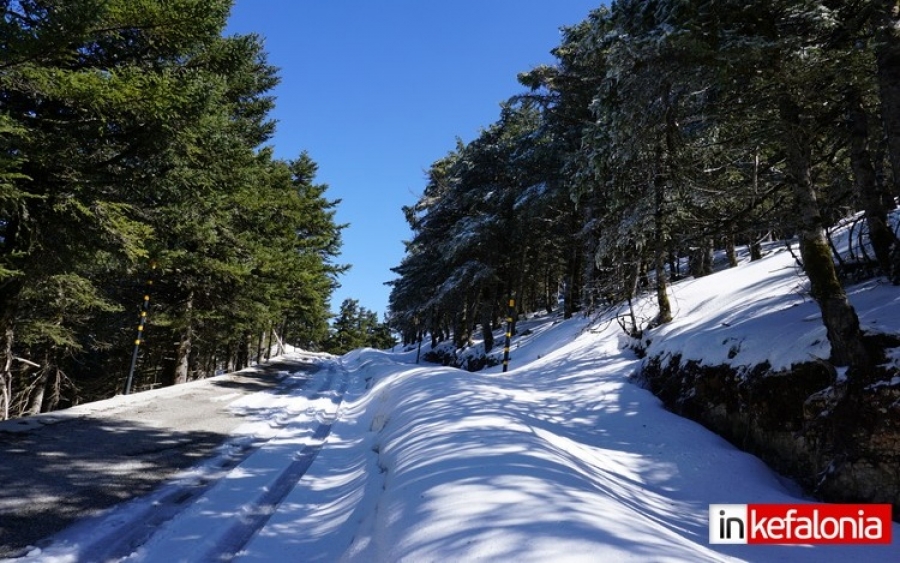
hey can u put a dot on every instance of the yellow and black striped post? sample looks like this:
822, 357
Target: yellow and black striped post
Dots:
418, 337
509, 324
140, 331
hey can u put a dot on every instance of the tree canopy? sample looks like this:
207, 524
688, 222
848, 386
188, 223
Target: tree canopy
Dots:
665, 129
133, 168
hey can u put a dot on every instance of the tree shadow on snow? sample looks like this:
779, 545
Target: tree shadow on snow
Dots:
52, 478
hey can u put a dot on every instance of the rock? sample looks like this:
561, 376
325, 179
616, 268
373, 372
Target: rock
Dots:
840, 444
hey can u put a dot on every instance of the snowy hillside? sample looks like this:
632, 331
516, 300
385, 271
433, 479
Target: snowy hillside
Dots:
563, 458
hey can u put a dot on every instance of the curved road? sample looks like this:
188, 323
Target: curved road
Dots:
58, 468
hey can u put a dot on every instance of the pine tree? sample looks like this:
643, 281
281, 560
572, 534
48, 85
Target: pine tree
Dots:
98, 90
348, 331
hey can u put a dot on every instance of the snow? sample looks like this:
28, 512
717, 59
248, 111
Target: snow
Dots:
563, 458
762, 312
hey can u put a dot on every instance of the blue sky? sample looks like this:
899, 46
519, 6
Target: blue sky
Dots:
376, 91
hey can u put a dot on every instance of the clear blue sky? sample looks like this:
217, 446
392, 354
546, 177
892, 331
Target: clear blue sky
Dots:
376, 91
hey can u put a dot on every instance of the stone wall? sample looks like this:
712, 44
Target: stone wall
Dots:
841, 444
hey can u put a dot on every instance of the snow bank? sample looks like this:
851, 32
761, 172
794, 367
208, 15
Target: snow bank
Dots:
561, 459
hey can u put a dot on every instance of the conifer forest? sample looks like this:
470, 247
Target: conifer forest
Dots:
135, 183
667, 129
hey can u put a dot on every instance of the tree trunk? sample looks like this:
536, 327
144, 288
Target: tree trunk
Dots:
433, 325
701, 259
56, 382
549, 290
674, 271
574, 274
473, 315
487, 315
246, 350
887, 56
460, 330
6, 374
662, 293
185, 343
838, 315
867, 188
756, 249
17, 239
632, 275
731, 251
661, 179
756, 243
36, 398
659, 240
9, 305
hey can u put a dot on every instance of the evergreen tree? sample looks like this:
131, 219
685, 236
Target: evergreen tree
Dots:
782, 57
133, 133
666, 127
99, 89
357, 327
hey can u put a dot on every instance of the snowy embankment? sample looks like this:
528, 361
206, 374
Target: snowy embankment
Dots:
563, 458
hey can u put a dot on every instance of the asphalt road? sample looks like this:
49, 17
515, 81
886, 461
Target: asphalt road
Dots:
58, 468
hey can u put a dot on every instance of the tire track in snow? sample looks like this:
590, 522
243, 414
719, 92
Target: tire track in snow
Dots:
122, 534
218, 523
257, 514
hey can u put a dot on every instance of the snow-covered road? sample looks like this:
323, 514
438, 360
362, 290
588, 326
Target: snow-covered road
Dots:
221, 505
69, 465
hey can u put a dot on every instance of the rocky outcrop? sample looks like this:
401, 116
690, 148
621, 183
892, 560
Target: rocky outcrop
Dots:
841, 444
464, 359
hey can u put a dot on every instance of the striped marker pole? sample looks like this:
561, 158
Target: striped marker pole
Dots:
140, 332
509, 323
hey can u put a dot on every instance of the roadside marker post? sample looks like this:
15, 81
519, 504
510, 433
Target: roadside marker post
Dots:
509, 324
140, 332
